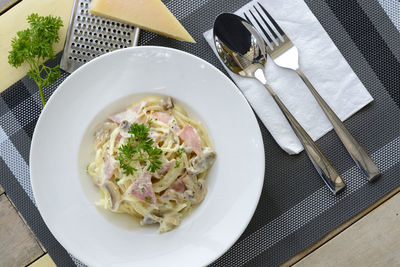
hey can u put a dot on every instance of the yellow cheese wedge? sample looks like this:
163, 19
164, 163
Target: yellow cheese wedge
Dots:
150, 15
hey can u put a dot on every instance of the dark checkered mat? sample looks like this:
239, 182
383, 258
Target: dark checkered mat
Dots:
295, 208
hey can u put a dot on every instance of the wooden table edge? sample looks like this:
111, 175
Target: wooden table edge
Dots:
299, 256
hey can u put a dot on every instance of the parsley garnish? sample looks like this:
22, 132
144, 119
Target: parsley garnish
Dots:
139, 148
33, 46
180, 151
147, 200
177, 164
117, 179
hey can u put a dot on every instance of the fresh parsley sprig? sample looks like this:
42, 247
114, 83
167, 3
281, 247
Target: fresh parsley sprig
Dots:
34, 45
139, 148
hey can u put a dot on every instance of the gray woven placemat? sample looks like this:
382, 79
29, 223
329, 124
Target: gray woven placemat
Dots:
295, 209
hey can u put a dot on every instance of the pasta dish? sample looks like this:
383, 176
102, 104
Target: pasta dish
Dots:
152, 161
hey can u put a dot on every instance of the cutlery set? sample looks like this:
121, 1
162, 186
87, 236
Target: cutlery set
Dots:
243, 50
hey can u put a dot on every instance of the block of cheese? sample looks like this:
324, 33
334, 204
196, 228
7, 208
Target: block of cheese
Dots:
150, 15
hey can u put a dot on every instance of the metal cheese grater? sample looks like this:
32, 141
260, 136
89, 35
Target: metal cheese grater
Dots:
90, 36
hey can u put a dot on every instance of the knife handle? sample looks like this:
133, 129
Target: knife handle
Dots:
356, 151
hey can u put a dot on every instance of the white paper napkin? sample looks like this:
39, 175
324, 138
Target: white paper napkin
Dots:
322, 63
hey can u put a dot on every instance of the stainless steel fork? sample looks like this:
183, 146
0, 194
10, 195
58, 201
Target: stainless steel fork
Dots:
285, 54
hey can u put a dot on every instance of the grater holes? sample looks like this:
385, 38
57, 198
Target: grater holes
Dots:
107, 50
86, 5
121, 46
87, 47
112, 23
78, 18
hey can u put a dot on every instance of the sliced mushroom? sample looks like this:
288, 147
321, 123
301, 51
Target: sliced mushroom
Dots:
125, 126
202, 163
103, 133
197, 189
168, 104
150, 219
115, 195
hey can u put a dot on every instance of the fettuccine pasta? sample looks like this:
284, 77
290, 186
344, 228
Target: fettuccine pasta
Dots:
151, 162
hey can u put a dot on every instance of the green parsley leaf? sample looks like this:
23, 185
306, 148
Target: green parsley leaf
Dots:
117, 179
139, 148
177, 164
180, 151
33, 46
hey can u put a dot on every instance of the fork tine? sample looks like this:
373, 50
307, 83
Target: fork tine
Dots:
261, 27
247, 18
266, 23
272, 20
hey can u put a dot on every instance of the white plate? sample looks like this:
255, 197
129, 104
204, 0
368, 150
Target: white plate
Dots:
61, 149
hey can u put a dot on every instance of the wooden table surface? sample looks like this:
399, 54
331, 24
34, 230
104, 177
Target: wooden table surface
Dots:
369, 239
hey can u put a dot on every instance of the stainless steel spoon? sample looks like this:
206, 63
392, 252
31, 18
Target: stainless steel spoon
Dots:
242, 50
